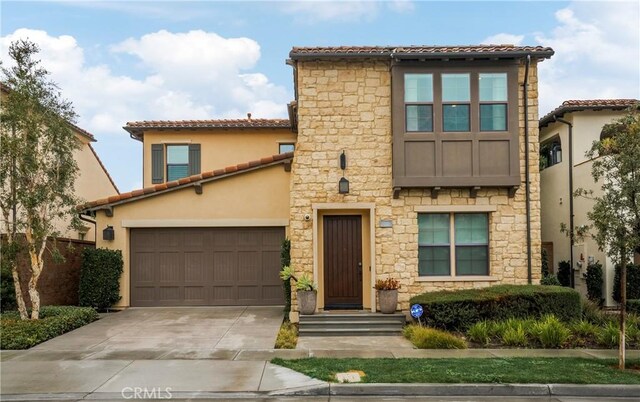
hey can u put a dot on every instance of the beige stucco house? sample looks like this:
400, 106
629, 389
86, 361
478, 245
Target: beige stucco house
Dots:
417, 163
560, 158
93, 181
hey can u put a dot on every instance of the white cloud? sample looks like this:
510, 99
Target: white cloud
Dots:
401, 6
597, 53
503, 39
597, 49
192, 75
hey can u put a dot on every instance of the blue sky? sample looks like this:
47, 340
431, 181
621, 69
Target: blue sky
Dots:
121, 61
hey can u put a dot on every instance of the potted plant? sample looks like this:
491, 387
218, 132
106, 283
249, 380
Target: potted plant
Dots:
387, 295
307, 295
306, 290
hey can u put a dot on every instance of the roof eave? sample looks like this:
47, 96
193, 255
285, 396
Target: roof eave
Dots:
560, 112
538, 54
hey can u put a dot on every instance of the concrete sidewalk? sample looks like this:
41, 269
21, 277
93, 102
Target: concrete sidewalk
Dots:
263, 355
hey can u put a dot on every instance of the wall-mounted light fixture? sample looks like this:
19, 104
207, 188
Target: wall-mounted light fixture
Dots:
343, 184
108, 233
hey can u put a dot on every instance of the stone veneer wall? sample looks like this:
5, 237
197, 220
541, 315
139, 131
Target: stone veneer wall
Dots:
347, 106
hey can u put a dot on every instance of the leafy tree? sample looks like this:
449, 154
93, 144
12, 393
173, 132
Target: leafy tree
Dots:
616, 211
37, 167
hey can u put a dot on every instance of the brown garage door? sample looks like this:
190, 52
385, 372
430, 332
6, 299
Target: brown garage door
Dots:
206, 266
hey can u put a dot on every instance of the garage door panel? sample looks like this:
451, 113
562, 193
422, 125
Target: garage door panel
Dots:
224, 266
206, 266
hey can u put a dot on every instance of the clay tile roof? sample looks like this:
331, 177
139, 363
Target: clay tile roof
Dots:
423, 51
185, 181
136, 128
575, 105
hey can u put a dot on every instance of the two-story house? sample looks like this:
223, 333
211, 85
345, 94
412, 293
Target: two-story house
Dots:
566, 134
418, 163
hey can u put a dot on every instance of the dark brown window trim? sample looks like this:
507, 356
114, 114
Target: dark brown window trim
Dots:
402, 140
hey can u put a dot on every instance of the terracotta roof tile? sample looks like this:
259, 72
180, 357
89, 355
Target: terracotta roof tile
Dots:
574, 105
136, 128
159, 188
440, 51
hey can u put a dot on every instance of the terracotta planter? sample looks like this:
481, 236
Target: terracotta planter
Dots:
388, 301
307, 301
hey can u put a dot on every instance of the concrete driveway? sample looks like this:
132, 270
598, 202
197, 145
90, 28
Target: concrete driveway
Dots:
181, 332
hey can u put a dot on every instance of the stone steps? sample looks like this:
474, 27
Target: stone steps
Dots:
351, 324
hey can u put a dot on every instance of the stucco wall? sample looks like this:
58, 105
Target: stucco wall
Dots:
219, 147
587, 126
257, 198
347, 106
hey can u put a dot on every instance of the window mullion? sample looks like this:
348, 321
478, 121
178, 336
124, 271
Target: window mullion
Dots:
452, 245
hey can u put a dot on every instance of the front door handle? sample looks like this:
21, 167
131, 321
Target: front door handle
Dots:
360, 268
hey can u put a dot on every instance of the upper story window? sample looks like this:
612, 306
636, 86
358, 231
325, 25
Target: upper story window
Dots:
286, 147
177, 162
453, 244
418, 98
174, 161
455, 124
493, 101
550, 153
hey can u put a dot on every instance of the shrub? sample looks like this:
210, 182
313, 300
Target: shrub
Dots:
633, 306
458, 310
551, 332
585, 329
387, 284
633, 283
594, 283
100, 277
515, 336
592, 313
545, 263
564, 273
54, 321
287, 336
633, 335
285, 261
609, 335
431, 338
479, 333
550, 280
7, 290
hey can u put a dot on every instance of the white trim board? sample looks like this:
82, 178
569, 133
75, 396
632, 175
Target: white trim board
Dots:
193, 223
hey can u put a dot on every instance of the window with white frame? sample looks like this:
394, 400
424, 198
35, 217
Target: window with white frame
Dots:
453, 244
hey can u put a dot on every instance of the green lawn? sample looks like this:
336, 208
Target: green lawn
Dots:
488, 370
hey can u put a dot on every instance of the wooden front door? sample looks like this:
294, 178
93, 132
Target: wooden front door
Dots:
343, 262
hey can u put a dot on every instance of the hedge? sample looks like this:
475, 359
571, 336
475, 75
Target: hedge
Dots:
564, 273
633, 306
100, 277
633, 283
458, 310
594, 283
54, 321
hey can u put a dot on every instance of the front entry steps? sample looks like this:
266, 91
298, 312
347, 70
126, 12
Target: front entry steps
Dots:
351, 324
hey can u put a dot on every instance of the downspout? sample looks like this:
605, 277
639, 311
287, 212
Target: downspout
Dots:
527, 184
571, 227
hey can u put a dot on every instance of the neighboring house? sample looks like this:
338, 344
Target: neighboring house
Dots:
409, 163
93, 181
586, 117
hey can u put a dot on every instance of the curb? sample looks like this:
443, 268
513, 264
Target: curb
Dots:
397, 390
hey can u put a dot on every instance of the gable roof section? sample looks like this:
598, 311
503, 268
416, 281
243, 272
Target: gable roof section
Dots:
190, 181
104, 168
4, 88
576, 105
137, 128
421, 52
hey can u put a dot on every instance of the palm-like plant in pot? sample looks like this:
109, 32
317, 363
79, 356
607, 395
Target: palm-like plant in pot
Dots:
306, 290
387, 295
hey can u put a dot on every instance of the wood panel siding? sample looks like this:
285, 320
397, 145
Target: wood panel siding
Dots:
206, 266
342, 261
455, 159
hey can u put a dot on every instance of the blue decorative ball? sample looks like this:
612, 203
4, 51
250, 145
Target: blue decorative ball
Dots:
416, 311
